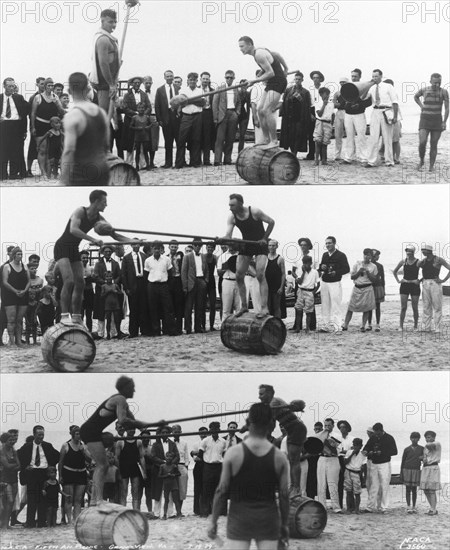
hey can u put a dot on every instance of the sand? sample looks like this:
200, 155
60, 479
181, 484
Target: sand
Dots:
351, 351
342, 532
334, 173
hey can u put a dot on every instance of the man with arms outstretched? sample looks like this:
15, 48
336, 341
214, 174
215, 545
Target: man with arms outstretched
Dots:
250, 222
274, 75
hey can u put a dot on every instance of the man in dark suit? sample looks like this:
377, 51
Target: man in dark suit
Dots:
175, 285
134, 284
35, 457
194, 277
104, 264
158, 456
13, 131
226, 109
129, 107
232, 439
167, 118
208, 128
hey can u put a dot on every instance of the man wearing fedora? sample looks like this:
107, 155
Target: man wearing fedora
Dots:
101, 267
432, 288
317, 78
130, 101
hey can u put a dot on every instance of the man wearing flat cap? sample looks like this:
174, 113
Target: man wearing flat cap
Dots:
316, 101
130, 102
101, 267
432, 288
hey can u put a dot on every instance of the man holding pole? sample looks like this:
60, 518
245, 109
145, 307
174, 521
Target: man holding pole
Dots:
274, 74
106, 62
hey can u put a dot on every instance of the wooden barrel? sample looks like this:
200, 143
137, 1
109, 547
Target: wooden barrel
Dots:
307, 518
120, 527
68, 348
249, 334
267, 167
122, 173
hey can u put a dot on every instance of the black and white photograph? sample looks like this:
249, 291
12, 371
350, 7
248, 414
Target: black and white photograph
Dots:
191, 357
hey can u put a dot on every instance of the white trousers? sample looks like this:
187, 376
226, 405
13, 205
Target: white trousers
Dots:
304, 467
230, 298
331, 294
380, 480
356, 144
379, 125
183, 481
158, 507
432, 304
252, 286
338, 133
328, 469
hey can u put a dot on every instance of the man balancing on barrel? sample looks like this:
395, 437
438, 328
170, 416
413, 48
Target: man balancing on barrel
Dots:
67, 255
296, 430
113, 408
274, 74
252, 472
86, 139
250, 222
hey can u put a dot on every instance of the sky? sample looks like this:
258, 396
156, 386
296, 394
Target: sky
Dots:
407, 40
383, 217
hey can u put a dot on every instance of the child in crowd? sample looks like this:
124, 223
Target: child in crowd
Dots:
379, 288
34, 294
410, 470
112, 479
430, 480
141, 125
324, 126
169, 473
308, 284
50, 491
355, 462
45, 310
51, 148
110, 293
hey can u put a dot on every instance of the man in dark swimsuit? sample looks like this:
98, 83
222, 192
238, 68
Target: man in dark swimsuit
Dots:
250, 222
275, 70
86, 139
296, 430
251, 473
67, 255
113, 408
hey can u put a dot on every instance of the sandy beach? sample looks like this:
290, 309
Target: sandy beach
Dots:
332, 174
393, 530
351, 351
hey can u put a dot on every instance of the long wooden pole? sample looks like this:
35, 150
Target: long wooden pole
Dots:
165, 234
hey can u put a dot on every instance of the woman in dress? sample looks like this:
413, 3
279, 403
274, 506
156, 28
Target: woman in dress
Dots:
72, 472
430, 480
364, 275
409, 285
16, 282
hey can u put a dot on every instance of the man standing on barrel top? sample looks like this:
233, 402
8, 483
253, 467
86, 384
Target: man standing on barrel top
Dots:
250, 222
252, 472
106, 63
274, 74
296, 430
86, 139
68, 259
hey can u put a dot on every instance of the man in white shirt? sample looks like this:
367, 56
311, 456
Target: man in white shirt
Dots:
385, 107
328, 467
226, 268
159, 300
346, 444
183, 465
211, 451
191, 125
